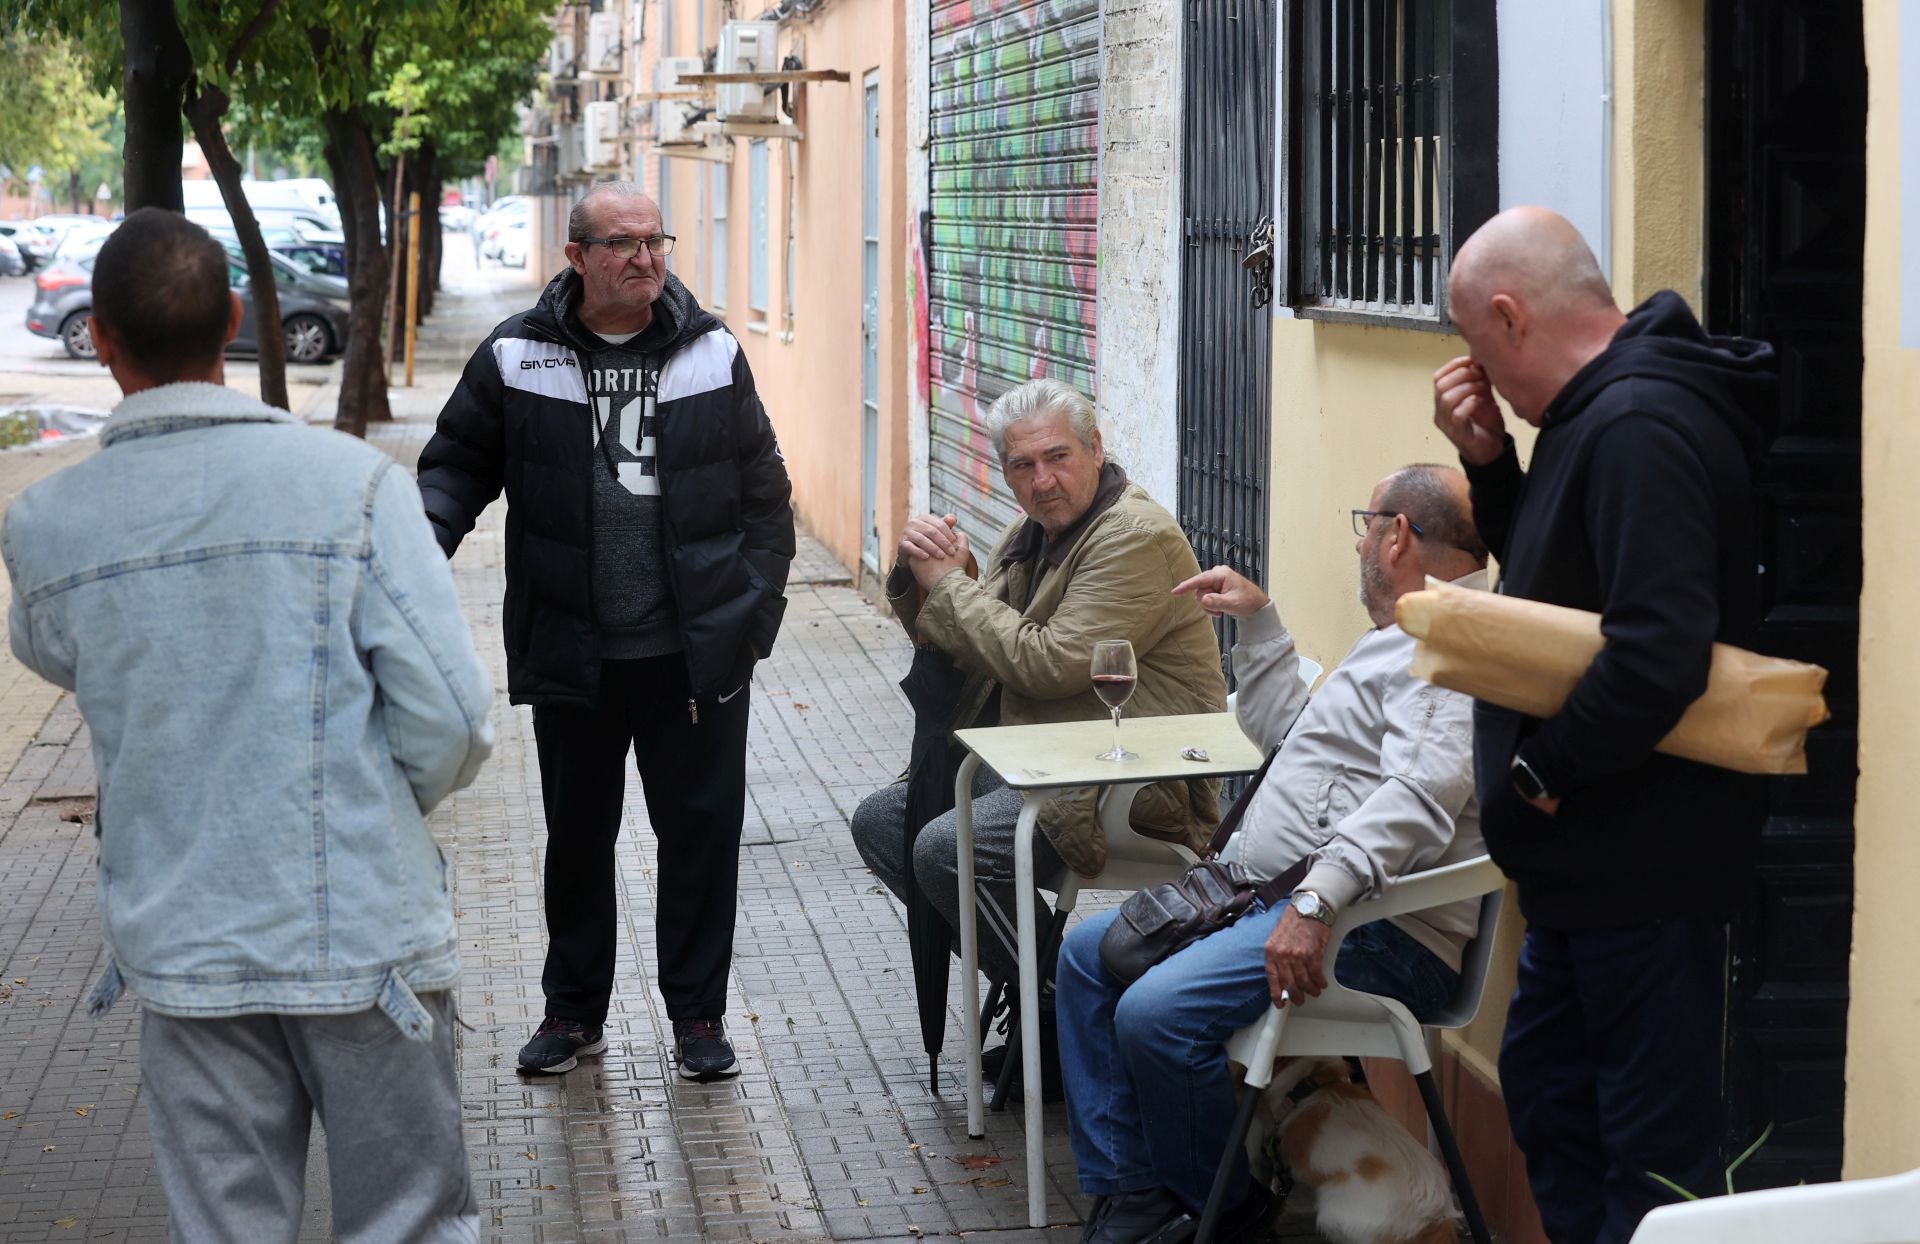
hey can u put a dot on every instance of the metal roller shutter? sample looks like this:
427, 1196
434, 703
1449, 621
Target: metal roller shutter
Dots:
1014, 111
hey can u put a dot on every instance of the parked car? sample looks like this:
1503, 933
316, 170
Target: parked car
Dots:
455, 217
325, 254
300, 277
11, 263
34, 246
506, 236
314, 326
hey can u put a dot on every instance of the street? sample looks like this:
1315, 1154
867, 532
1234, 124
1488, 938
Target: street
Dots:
829, 1133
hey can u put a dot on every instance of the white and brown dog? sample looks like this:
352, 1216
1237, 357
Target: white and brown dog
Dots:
1373, 1183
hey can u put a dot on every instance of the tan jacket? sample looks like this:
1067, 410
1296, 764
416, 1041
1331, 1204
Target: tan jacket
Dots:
1115, 582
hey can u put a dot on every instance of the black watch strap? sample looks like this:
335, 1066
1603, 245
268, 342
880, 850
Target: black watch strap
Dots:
1527, 782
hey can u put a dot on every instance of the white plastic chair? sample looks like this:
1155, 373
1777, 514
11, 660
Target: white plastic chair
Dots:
1343, 1021
1860, 1211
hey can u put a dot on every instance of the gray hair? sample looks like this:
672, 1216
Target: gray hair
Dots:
1034, 400
579, 226
1420, 491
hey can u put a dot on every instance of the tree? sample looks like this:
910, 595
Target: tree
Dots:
53, 118
157, 68
225, 38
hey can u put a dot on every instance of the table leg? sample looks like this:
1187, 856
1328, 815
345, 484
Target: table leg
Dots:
1031, 1087
969, 944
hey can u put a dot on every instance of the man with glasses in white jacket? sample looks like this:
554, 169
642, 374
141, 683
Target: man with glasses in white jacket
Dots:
1373, 781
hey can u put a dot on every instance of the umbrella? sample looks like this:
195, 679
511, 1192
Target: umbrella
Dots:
932, 687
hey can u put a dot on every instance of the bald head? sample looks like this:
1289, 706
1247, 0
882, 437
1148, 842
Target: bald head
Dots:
1534, 255
582, 220
1533, 306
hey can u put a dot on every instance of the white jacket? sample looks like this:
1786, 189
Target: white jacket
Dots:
1375, 778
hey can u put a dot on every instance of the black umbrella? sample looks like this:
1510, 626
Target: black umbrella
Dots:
932, 686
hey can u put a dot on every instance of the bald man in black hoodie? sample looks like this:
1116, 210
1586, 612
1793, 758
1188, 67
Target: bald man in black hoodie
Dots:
1638, 505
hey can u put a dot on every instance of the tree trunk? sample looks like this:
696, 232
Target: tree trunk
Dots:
205, 107
430, 192
356, 181
159, 65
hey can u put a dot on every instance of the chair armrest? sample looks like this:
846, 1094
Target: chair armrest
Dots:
1417, 892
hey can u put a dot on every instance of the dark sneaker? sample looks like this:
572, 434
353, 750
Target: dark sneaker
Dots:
558, 1044
1154, 1215
703, 1049
1053, 1088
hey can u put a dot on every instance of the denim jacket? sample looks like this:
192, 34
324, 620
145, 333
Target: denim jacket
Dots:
263, 637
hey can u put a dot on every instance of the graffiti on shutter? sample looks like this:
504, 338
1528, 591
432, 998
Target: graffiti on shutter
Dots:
1014, 113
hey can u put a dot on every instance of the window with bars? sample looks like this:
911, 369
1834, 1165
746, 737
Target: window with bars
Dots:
1394, 153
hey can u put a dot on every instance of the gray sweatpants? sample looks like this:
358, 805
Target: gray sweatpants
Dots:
879, 831
230, 1102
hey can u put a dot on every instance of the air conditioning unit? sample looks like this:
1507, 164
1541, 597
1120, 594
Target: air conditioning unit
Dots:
603, 44
672, 117
602, 133
573, 154
560, 56
748, 47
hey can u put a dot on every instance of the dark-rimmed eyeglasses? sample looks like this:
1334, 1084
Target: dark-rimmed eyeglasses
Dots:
1363, 521
626, 248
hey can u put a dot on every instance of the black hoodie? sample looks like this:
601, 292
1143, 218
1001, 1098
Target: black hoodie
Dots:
1638, 505
519, 421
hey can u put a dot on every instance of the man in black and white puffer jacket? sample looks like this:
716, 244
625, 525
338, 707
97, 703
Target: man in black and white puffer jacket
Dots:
648, 538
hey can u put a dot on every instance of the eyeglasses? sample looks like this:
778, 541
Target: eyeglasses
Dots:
627, 248
1363, 521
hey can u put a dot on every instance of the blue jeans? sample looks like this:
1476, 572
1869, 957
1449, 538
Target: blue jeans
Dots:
1145, 1066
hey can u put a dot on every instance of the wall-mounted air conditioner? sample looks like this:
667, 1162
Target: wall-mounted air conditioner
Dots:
602, 133
672, 116
603, 44
560, 56
748, 47
573, 155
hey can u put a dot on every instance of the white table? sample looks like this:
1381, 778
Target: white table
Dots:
1039, 761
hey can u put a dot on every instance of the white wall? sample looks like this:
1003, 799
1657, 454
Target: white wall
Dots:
1554, 111
1137, 326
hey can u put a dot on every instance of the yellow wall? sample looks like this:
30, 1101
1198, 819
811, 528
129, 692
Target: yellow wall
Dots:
1351, 403
1883, 1080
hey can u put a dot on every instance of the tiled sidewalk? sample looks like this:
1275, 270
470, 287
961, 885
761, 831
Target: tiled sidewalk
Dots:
829, 1133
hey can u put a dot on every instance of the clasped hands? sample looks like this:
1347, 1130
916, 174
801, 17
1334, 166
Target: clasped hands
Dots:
931, 546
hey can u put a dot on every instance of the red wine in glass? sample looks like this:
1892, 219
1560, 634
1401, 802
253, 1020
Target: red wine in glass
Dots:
1113, 678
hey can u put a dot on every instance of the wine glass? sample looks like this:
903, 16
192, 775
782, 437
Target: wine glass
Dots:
1113, 679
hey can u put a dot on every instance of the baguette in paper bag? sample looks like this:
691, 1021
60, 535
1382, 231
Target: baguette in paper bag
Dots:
1527, 656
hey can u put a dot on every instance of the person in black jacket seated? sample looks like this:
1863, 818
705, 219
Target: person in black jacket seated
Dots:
648, 537
1638, 504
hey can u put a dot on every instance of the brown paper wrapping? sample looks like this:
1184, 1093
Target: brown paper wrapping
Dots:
1527, 656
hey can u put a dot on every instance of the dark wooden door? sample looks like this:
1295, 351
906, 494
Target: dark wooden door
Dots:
1786, 220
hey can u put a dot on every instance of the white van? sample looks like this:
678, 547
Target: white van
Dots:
309, 197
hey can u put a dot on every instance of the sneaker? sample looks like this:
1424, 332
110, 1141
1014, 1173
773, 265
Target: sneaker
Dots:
558, 1044
1152, 1214
703, 1050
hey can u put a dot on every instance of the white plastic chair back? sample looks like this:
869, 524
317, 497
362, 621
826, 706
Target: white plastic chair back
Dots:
1860, 1211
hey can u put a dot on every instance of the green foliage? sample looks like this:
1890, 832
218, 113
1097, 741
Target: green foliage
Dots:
1738, 1162
53, 116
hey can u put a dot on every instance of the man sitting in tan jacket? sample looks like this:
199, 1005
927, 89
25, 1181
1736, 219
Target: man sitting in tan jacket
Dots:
1095, 558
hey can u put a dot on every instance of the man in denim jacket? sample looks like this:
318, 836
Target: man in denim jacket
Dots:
264, 639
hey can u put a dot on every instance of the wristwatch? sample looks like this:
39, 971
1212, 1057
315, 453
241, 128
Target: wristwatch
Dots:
1526, 781
1312, 907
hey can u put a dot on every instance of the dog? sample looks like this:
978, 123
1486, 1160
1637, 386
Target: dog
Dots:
1373, 1183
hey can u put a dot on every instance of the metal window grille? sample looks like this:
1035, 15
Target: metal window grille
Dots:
1395, 152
